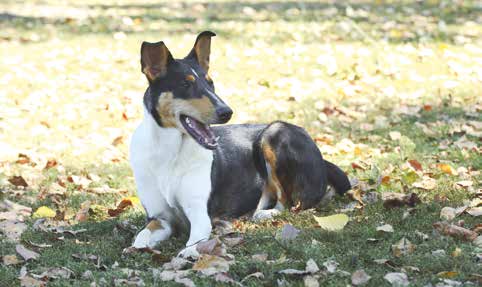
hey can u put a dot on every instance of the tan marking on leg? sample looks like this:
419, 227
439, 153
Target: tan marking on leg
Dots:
273, 184
154, 225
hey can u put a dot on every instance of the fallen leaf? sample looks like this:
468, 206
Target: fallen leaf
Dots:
27, 281
43, 212
213, 247
12, 229
456, 253
416, 165
123, 205
11, 260
333, 222
385, 228
359, 277
25, 253
438, 253
83, 213
311, 281
18, 180
393, 199
23, 159
448, 213
55, 273
176, 263
402, 247
464, 183
426, 183
455, 231
50, 163
447, 274
311, 266
233, 241
257, 275
211, 264
262, 257
446, 169
475, 211
331, 266
288, 232
223, 278
291, 271
397, 279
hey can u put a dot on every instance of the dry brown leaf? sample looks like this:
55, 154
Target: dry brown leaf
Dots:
455, 231
360, 277
331, 266
12, 229
23, 159
83, 213
393, 199
50, 164
311, 281
25, 253
11, 260
18, 180
448, 213
262, 257
27, 281
211, 264
288, 232
402, 247
426, 183
385, 228
397, 279
123, 206
213, 247
257, 275
55, 273
475, 211
415, 164
465, 183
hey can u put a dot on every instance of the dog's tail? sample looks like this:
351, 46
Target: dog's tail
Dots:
337, 178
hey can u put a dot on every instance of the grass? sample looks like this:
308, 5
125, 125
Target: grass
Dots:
349, 73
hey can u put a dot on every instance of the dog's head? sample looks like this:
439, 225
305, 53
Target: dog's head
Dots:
181, 93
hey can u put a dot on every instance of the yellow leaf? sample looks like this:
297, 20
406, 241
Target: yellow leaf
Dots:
133, 199
447, 274
44, 212
332, 222
446, 168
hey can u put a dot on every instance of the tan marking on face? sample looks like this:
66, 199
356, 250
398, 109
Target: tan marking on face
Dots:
165, 110
154, 225
273, 185
208, 78
204, 107
190, 78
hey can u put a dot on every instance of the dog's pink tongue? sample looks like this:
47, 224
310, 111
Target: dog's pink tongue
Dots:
203, 130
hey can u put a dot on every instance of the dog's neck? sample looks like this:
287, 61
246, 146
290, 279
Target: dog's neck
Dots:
167, 141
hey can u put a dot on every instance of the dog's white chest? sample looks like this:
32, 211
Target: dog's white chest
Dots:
170, 168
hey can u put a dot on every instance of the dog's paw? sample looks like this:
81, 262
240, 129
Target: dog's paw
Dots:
264, 214
189, 252
143, 239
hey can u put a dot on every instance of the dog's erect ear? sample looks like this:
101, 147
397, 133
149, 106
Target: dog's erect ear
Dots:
202, 49
155, 57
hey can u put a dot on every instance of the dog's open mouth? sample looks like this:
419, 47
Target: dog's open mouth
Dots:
199, 131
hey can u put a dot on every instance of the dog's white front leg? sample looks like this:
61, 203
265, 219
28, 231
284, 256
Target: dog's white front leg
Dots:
193, 198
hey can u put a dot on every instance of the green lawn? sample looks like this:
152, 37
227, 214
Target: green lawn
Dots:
376, 84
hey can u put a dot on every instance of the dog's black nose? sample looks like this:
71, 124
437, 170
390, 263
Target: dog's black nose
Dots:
224, 114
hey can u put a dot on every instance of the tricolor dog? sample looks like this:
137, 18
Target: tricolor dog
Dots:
188, 172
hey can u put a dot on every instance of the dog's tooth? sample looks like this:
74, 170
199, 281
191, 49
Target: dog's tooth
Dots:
217, 138
188, 120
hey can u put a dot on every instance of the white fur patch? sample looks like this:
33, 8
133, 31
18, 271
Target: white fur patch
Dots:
172, 172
